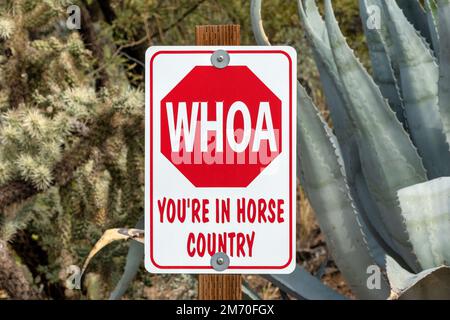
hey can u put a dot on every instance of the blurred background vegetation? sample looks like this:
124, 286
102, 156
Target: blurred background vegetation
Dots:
61, 188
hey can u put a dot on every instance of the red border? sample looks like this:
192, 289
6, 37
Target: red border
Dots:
290, 158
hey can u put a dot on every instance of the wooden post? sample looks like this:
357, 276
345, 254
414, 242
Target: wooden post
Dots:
218, 35
219, 286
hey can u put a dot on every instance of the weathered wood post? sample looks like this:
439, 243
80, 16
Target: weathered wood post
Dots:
218, 287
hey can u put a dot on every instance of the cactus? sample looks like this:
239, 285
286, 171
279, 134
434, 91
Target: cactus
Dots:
378, 181
51, 112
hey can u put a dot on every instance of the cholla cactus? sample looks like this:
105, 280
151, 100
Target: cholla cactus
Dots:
379, 180
6, 28
76, 147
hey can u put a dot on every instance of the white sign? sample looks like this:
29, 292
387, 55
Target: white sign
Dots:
220, 159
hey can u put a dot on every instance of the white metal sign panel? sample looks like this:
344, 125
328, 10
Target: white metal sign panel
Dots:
220, 159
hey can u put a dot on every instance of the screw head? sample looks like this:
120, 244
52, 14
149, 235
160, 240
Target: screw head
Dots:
220, 261
220, 59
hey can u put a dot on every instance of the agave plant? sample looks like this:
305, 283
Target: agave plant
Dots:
379, 180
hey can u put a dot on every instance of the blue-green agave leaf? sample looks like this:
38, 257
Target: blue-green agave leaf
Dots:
248, 293
323, 179
419, 81
389, 159
425, 208
317, 34
135, 257
302, 285
379, 50
416, 15
430, 284
430, 7
444, 64
377, 251
376, 7
257, 23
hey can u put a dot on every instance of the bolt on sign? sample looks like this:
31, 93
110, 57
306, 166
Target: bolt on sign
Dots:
220, 159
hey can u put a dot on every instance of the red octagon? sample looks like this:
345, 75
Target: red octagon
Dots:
212, 167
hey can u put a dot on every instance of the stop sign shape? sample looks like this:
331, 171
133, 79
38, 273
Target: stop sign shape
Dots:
233, 113
220, 159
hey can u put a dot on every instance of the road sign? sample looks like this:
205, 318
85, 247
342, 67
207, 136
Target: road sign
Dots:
220, 159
